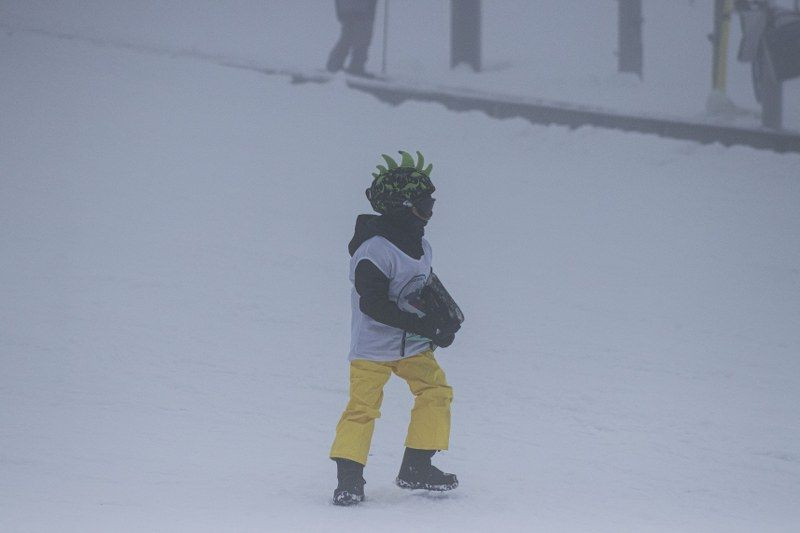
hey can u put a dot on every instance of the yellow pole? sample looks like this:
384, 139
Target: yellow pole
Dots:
721, 67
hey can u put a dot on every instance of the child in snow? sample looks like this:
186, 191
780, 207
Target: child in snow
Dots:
390, 263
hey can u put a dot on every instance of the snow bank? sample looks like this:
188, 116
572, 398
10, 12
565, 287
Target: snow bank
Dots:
561, 50
174, 310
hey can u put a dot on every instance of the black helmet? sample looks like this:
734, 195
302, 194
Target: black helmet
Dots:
400, 185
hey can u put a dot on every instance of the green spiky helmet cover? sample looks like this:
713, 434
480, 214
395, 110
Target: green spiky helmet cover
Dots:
396, 184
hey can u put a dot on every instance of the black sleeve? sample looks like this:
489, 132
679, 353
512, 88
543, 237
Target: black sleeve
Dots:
373, 288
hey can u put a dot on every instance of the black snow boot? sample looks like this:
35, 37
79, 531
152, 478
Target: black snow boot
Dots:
351, 482
417, 472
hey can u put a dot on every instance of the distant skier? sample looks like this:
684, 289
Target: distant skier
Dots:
394, 330
357, 18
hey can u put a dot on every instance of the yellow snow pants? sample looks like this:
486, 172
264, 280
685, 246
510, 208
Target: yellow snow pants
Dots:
429, 428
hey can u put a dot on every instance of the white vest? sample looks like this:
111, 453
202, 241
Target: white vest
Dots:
369, 338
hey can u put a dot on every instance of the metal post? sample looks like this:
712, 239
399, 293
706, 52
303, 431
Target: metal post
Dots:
772, 107
719, 42
771, 94
385, 35
630, 36
465, 33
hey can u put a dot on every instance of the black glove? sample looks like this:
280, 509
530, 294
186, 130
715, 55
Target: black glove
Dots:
442, 334
444, 342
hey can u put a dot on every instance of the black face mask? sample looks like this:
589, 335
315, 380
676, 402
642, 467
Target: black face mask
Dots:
415, 222
406, 221
424, 207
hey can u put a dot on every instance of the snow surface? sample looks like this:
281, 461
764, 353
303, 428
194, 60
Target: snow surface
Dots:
563, 50
174, 308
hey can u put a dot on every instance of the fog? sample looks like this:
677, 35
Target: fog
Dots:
557, 49
179, 182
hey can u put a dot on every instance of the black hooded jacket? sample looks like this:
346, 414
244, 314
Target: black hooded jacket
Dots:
371, 284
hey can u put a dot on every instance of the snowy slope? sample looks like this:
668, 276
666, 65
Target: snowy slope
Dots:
174, 310
561, 50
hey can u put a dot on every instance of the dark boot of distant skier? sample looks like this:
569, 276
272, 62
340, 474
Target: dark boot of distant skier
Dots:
417, 472
350, 490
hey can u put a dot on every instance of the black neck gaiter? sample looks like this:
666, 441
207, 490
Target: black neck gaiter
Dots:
404, 230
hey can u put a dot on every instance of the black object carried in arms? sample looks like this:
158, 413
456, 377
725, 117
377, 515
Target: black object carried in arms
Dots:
438, 303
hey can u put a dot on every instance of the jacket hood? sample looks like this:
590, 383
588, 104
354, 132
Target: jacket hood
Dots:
405, 234
365, 229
